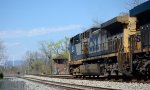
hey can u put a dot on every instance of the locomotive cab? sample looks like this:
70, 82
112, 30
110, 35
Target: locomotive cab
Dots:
141, 61
142, 12
75, 46
119, 31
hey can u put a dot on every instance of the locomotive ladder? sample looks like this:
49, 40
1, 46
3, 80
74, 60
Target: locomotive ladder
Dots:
120, 56
125, 59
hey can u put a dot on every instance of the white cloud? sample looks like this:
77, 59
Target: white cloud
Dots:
13, 45
36, 31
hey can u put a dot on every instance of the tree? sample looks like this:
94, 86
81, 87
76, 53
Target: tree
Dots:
2, 51
2, 57
96, 22
53, 49
64, 44
42, 61
124, 14
47, 52
34, 62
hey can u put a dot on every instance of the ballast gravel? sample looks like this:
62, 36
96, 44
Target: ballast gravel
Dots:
102, 84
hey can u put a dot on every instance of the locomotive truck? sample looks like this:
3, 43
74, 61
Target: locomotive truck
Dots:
120, 46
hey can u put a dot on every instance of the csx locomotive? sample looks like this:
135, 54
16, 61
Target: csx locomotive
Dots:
120, 46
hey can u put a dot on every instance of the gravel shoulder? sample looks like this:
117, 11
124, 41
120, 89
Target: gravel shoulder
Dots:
13, 83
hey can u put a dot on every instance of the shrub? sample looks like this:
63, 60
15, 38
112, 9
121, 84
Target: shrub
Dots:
1, 75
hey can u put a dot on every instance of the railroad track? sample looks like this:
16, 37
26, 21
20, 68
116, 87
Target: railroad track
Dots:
65, 86
56, 76
120, 79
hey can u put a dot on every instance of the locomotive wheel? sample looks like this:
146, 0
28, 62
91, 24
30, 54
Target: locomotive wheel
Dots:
148, 70
117, 76
109, 75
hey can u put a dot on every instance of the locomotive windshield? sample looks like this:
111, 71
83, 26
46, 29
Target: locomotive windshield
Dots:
75, 40
115, 26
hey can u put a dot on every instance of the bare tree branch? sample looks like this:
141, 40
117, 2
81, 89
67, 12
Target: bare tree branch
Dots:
132, 3
2, 51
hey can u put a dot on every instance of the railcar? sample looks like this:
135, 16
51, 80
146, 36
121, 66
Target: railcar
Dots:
120, 46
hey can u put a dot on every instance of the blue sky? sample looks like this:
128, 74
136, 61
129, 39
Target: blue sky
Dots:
23, 23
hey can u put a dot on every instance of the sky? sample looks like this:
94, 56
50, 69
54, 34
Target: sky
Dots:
24, 23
